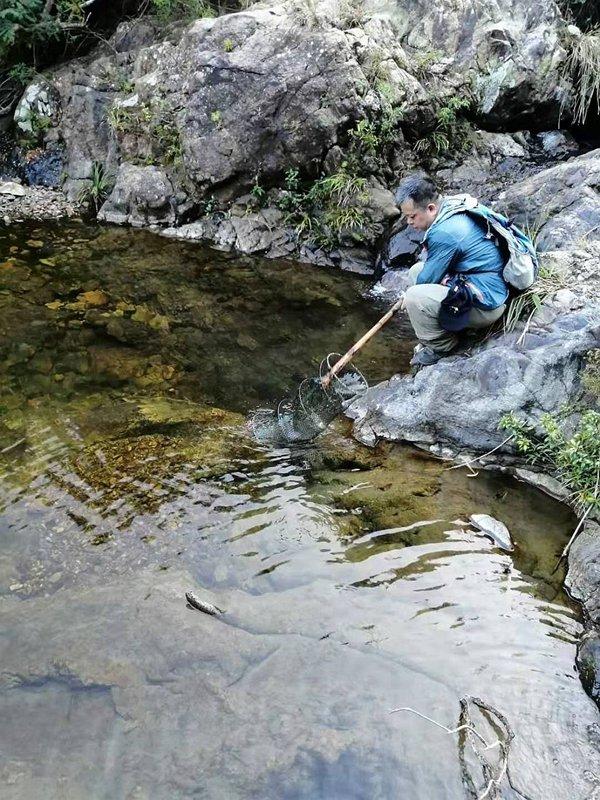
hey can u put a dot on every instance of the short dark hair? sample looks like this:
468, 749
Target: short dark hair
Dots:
418, 188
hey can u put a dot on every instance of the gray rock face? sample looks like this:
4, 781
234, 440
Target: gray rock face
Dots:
141, 196
562, 202
513, 46
459, 401
583, 578
40, 101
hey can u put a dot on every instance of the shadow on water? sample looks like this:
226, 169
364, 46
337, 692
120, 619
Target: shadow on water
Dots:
351, 580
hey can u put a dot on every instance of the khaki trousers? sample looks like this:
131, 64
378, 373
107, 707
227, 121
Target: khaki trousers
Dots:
422, 302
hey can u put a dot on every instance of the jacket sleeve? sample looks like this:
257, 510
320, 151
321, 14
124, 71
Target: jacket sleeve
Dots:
443, 250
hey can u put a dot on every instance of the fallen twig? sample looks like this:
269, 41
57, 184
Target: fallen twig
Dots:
478, 458
493, 781
13, 446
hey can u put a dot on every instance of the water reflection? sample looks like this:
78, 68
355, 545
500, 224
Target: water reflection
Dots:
351, 580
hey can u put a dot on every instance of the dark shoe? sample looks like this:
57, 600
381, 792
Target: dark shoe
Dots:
425, 357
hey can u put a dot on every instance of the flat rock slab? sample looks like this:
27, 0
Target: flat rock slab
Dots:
135, 695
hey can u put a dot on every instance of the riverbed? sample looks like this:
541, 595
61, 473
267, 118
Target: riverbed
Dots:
349, 579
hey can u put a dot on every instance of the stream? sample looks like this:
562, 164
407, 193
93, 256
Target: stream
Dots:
350, 581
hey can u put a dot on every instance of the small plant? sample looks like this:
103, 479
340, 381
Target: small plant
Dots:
425, 60
450, 132
96, 192
591, 373
258, 192
155, 121
208, 206
228, 45
216, 117
573, 459
22, 74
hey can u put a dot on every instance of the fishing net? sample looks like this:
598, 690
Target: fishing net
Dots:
312, 407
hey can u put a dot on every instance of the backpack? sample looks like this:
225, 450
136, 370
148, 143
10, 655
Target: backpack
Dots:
521, 262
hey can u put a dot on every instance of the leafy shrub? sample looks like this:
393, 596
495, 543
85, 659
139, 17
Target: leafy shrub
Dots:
154, 120
574, 459
329, 210
451, 132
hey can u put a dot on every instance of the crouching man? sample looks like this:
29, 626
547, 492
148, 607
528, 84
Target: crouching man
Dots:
462, 261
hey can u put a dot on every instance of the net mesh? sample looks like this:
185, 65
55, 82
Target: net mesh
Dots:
311, 408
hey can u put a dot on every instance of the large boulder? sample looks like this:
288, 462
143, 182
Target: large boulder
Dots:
458, 402
561, 204
243, 95
141, 196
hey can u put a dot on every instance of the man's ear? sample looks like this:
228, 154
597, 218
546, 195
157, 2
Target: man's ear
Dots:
431, 207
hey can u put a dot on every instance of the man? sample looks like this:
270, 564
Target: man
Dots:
454, 246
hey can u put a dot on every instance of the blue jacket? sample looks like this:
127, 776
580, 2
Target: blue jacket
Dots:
459, 244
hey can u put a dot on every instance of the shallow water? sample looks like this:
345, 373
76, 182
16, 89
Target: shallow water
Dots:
350, 580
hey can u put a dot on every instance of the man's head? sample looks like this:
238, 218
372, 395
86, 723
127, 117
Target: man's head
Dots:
419, 201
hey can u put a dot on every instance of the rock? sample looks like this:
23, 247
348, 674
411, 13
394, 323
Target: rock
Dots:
459, 401
513, 47
141, 196
561, 204
13, 189
44, 167
588, 664
502, 145
496, 530
558, 144
40, 101
583, 577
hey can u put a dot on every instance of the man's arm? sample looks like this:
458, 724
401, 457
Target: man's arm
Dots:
442, 251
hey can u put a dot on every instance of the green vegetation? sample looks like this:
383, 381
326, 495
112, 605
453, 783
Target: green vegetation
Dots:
591, 373
98, 189
572, 458
331, 208
451, 132
38, 125
583, 68
423, 61
170, 10
154, 120
28, 26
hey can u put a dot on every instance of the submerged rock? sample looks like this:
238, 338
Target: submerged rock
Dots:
496, 530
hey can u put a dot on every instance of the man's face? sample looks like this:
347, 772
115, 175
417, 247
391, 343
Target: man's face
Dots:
419, 218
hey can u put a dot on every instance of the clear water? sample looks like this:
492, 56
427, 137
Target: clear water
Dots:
351, 584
